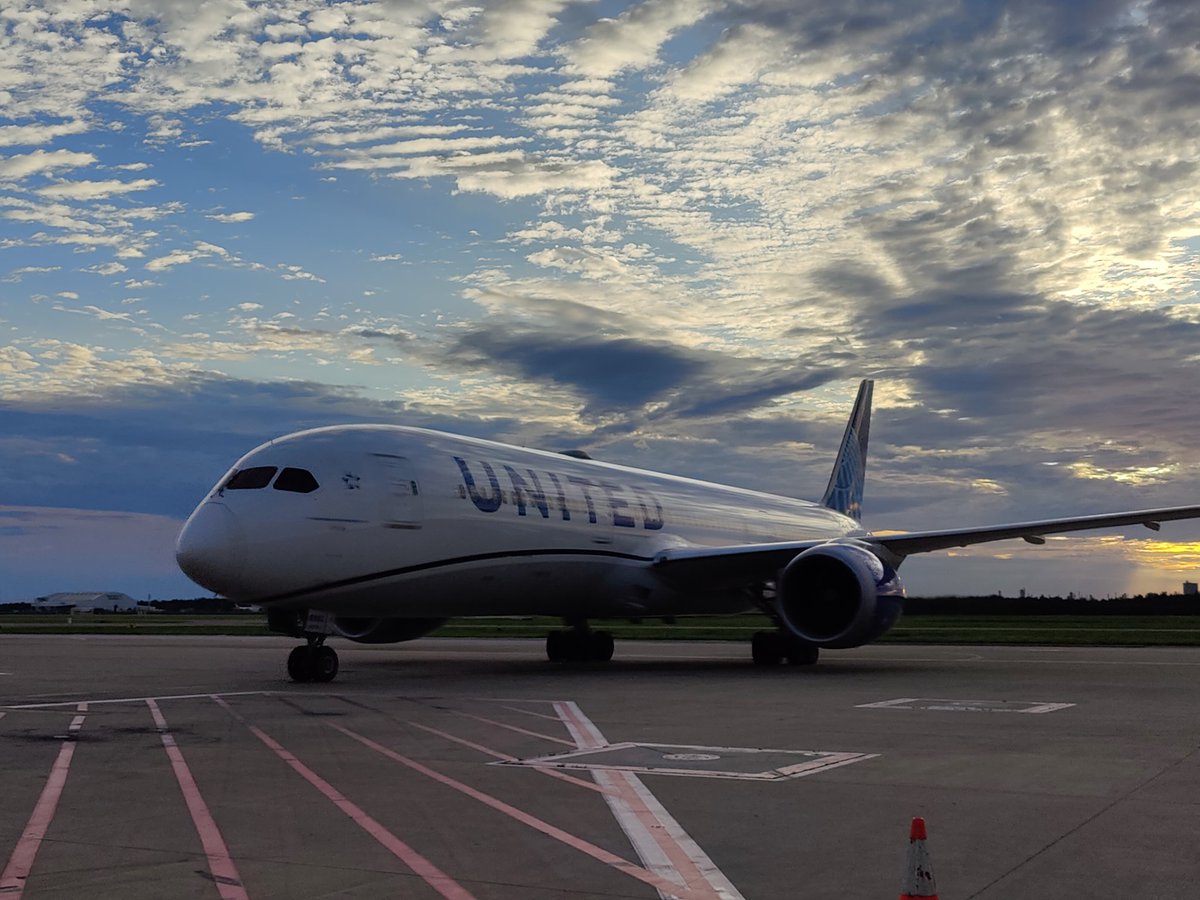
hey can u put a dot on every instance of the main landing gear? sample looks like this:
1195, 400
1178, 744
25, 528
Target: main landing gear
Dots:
580, 644
770, 648
313, 661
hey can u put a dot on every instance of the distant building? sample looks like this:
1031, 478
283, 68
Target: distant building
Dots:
1190, 587
88, 601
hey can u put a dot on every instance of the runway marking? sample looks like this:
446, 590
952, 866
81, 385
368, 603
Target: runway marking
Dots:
220, 863
738, 763
518, 730
140, 699
505, 757
996, 706
530, 712
660, 841
20, 863
623, 865
431, 874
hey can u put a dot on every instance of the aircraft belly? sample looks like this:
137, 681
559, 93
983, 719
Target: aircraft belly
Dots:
558, 585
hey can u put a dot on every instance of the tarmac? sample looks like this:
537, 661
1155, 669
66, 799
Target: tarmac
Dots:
190, 767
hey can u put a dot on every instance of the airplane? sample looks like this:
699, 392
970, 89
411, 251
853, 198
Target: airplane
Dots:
380, 533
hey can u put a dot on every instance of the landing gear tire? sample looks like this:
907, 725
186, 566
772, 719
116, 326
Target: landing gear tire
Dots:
766, 648
324, 664
802, 654
312, 662
600, 646
579, 646
556, 646
770, 648
298, 665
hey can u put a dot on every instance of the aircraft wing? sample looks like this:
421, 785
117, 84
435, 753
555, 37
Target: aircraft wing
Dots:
739, 563
1033, 532
761, 561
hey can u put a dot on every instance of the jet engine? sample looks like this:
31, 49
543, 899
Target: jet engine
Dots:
384, 631
838, 594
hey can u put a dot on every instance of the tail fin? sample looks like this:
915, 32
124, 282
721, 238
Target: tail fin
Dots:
845, 491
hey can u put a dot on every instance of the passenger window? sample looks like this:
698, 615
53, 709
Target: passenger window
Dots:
250, 479
298, 481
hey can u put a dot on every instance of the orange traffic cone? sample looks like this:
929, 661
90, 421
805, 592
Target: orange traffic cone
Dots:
918, 875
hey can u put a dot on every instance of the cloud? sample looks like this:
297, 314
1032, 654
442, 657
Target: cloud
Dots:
230, 218
201, 250
714, 217
39, 133
632, 40
94, 190
43, 162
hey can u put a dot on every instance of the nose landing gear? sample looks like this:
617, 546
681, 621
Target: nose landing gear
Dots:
580, 644
313, 661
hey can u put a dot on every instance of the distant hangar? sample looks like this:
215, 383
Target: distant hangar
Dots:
88, 601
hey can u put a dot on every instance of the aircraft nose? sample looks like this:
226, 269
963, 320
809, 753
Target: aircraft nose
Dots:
211, 549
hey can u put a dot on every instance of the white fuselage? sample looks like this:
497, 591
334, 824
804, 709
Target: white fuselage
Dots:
407, 522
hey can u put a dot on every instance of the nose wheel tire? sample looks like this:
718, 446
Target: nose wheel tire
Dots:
312, 663
579, 646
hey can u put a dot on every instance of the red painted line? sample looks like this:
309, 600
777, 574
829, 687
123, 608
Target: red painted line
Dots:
577, 843
586, 735
433, 876
16, 872
220, 863
562, 776
530, 712
518, 730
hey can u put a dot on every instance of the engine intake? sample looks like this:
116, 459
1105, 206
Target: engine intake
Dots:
838, 595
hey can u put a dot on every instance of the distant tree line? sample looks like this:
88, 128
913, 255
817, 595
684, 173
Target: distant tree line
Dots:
193, 606
999, 605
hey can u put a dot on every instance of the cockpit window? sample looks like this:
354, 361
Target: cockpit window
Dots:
250, 479
298, 481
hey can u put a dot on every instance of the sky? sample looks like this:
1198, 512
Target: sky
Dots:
675, 234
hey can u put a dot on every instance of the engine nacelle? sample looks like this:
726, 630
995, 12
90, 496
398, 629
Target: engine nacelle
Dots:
384, 631
838, 595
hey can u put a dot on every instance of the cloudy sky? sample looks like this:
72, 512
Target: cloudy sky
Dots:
673, 232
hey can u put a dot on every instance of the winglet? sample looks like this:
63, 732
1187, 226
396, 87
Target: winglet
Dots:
845, 491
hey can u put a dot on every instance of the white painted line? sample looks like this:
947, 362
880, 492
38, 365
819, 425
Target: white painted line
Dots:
589, 760
571, 840
1046, 707
140, 699
902, 703
660, 841
530, 712
938, 704
505, 757
517, 729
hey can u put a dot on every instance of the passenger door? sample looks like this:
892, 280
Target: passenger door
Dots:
400, 506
